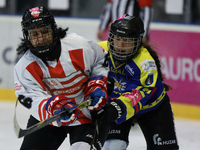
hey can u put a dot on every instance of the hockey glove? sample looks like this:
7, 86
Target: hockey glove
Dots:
113, 110
96, 88
56, 104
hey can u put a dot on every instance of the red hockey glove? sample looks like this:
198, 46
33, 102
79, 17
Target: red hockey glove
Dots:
96, 88
56, 104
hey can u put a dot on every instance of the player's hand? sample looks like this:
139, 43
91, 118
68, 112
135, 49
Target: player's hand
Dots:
57, 104
100, 35
96, 88
113, 110
145, 40
99, 99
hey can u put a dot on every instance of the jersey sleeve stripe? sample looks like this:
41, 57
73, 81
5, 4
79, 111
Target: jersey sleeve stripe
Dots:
41, 111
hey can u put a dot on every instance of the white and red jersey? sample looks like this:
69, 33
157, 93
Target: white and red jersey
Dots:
37, 81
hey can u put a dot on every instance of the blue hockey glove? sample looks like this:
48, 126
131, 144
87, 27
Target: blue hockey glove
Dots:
96, 88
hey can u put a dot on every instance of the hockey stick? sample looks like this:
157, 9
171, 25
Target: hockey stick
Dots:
110, 87
95, 134
96, 130
23, 132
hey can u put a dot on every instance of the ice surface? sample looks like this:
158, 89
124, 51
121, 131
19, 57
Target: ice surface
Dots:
188, 131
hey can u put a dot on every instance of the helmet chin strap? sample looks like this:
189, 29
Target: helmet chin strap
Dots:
45, 52
55, 53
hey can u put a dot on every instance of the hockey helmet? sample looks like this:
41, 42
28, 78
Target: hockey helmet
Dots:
39, 18
125, 37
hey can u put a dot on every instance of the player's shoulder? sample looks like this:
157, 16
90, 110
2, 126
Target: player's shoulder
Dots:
142, 55
27, 57
74, 36
144, 60
26, 60
75, 40
103, 44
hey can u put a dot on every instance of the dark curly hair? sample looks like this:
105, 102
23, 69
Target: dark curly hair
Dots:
22, 47
156, 58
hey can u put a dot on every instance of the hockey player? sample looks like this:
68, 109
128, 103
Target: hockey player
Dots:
113, 9
55, 73
139, 95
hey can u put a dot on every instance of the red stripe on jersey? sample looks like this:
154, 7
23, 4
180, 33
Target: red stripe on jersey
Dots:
70, 90
103, 50
57, 71
83, 119
143, 3
41, 111
72, 79
35, 70
137, 108
77, 59
153, 91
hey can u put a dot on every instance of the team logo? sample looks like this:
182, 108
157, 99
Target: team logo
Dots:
120, 85
114, 132
26, 101
35, 12
149, 79
18, 87
158, 141
129, 69
148, 65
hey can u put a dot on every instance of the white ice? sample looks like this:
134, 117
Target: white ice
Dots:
188, 131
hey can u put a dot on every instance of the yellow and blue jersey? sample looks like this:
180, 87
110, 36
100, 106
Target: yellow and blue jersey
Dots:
141, 74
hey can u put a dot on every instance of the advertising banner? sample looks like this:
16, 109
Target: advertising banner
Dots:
180, 57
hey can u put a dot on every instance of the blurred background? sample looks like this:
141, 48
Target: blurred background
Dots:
91, 9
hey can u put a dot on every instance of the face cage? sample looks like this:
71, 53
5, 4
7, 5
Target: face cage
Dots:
126, 47
46, 41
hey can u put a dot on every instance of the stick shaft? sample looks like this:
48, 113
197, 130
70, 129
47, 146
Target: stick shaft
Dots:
23, 132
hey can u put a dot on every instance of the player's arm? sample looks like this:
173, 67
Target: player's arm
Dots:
138, 91
105, 16
42, 105
146, 14
127, 105
96, 85
31, 93
105, 19
94, 60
